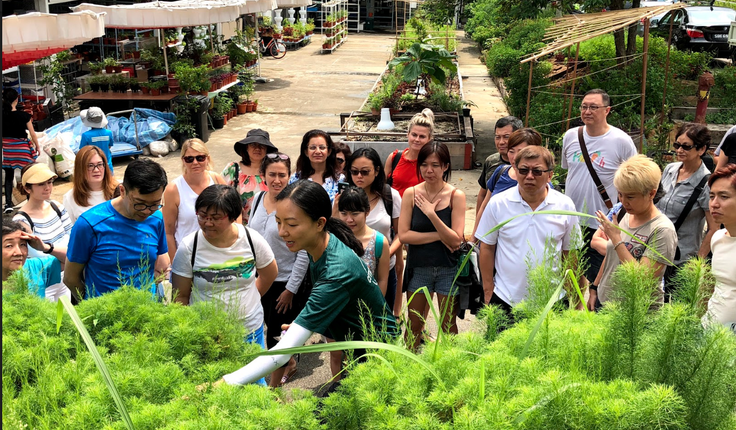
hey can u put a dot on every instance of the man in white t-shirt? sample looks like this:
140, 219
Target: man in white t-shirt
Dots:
608, 147
510, 249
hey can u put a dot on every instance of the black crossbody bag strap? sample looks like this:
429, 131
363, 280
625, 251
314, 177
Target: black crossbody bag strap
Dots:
252, 250
691, 202
598, 184
194, 249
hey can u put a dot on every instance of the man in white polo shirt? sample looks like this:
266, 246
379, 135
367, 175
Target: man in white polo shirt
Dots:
523, 239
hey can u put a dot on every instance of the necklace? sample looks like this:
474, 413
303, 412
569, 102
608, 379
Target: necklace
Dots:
436, 194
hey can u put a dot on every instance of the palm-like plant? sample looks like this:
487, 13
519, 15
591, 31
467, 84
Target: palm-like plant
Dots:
425, 63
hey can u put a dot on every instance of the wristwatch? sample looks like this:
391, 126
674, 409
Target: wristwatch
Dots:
593, 287
51, 249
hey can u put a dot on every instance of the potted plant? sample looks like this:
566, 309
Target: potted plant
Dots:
145, 87
135, 86
156, 87
222, 107
96, 68
110, 64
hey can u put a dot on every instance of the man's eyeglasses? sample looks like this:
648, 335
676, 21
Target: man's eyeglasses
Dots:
684, 147
190, 159
591, 108
204, 217
142, 207
356, 172
274, 156
98, 166
535, 172
504, 137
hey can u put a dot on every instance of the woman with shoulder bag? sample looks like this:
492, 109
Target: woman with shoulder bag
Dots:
685, 201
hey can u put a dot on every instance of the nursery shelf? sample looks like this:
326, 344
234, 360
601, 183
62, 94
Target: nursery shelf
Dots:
329, 50
224, 88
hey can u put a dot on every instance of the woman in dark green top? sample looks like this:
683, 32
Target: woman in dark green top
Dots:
343, 287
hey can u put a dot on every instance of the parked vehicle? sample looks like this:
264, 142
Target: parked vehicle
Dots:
697, 28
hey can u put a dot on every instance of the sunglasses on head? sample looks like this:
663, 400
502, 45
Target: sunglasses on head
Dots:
340, 160
274, 156
535, 172
684, 147
190, 159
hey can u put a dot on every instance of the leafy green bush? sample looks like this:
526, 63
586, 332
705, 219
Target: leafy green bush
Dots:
723, 94
585, 371
501, 59
156, 354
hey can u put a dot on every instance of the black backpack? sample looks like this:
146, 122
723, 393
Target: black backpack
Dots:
30, 222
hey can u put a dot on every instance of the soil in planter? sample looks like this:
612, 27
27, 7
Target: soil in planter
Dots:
366, 125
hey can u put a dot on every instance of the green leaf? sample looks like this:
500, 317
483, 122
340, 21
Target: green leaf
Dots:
412, 71
64, 301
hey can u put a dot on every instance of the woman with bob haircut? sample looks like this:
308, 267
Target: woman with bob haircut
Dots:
180, 219
636, 180
345, 297
318, 162
365, 170
402, 174
432, 223
722, 304
219, 262
93, 182
681, 181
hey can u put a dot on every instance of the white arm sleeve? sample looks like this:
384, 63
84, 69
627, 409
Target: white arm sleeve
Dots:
265, 364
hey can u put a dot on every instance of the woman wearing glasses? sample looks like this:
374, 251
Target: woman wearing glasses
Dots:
364, 170
341, 156
505, 176
45, 218
282, 303
317, 162
245, 174
432, 223
93, 182
682, 180
219, 262
179, 217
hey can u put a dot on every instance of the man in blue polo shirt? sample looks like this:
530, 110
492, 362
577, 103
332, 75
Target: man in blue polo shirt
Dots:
122, 241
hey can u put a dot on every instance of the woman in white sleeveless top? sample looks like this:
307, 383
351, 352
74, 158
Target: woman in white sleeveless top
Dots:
180, 219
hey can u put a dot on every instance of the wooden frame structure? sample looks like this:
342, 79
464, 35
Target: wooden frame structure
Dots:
573, 29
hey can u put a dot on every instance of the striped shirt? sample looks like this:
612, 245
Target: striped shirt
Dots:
51, 229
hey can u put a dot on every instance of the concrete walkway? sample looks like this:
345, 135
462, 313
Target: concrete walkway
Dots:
307, 90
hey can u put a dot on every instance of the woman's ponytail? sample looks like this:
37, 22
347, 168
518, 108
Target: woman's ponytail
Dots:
343, 233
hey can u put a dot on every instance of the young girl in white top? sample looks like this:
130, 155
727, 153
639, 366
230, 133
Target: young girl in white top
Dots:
180, 218
93, 182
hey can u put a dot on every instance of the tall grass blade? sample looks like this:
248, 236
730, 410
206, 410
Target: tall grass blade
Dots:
543, 316
64, 301
353, 344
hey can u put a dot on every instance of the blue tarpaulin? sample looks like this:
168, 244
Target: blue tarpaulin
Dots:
152, 125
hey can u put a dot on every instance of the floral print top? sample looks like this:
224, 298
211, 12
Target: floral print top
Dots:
330, 184
248, 185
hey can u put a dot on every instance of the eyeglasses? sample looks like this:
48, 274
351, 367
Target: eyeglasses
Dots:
535, 172
190, 159
684, 147
98, 166
142, 207
340, 160
314, 148
591, 108
204, 217
360, 172
504, 137
274, 156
